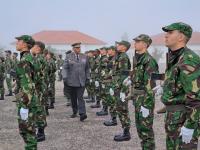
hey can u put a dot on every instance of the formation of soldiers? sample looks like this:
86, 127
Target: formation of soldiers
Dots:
32, 80
114, 81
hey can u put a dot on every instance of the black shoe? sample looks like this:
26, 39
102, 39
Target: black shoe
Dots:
123, 137
9, 94
68, 104
73, 116
112, 122
2, 97
96, 106
40, 135
102, 113
47, 110
83, 117
51, 106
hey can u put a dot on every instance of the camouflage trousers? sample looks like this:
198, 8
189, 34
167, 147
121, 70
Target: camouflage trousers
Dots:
41, 112
122, 111
144, 125
111, 102
2, 87
27, 127
98, 93
104, 94
51, 91
90, 89
173, 122
9, 82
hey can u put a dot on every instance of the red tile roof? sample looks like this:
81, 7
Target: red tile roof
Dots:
159, 39
66, 37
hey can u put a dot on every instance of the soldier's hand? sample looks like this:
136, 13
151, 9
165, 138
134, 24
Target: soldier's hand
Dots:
122, 96
186, 134
111, 92
158, 90
24, 113
127, 81
144, 111
97, 83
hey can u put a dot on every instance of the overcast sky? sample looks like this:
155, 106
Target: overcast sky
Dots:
107, 20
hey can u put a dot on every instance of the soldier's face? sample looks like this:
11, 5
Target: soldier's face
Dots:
140, 45
20, 45
103, 52
35, 49
173, 38
111, 52
121, 48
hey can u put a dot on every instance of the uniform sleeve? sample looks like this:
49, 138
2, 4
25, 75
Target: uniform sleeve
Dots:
190, 80
26, 83
150, 67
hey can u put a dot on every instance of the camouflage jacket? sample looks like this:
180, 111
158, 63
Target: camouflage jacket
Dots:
8, 65
2, 70
182, 84
51, 70
96, 68
25, 79
92, 65
141, 79
39, 67
121, 70
59, 63
103, 67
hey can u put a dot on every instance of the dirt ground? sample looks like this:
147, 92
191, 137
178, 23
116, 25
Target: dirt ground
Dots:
64, 133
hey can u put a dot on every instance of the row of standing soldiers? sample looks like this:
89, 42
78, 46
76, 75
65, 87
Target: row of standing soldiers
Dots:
34, 80
114, 83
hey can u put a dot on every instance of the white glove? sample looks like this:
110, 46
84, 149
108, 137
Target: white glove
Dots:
96, 71
8, 75
145, 111
111, 92
103, 86
90, 80
158, 90
61, 68
186, 134
24, 113
122, 97
103, 73
97, 83
127, 81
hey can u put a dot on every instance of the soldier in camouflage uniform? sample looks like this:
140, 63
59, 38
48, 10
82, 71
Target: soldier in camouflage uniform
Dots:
96, 81
111, 100
59, 64
144, 66
40, 85
14, 66
26, 98
2, 76
91, 86
52, 78
123, 66
8, 67
181, 90
103, 71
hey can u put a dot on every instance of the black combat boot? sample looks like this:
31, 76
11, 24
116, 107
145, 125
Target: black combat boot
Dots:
47, 110
9, 94
123, 137
111, 122
97, 105
2, 97
103, 112
51, 106
40, 135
